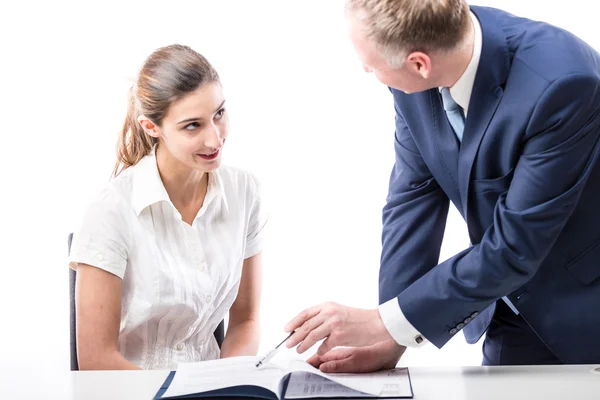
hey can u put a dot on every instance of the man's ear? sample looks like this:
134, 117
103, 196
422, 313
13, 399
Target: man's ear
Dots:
148, 126
420, 63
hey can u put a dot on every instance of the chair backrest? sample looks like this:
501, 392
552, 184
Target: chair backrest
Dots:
72, 320
219, 332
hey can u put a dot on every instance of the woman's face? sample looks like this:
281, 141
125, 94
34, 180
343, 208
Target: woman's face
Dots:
195, 128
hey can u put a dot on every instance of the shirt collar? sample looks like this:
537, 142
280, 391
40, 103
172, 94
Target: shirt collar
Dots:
216, 189
461, 91
148, 188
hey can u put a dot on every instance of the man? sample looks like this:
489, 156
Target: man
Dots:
501, 116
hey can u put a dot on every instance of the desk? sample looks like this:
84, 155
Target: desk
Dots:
437, 383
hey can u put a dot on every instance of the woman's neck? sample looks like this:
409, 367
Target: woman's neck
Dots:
185, 186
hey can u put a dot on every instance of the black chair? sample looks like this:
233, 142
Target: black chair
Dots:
219, 332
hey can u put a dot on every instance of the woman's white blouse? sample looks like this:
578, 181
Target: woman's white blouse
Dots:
179, 281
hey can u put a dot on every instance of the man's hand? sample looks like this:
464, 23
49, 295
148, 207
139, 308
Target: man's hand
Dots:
383, 355
338, 325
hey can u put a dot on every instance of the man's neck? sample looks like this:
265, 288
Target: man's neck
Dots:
455, 62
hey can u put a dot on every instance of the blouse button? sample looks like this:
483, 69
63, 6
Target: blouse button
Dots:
208, 298
202, 266
179, 346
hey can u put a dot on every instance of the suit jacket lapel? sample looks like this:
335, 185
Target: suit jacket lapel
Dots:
491, 76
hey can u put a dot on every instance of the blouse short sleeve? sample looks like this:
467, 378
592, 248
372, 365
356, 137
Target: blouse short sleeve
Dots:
103, 238
257, 218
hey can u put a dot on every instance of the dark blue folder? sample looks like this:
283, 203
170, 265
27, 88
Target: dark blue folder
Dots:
229, 393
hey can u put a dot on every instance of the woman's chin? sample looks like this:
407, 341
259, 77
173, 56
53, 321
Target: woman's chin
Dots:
208, 166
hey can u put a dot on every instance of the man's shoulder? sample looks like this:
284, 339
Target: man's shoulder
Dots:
540, 48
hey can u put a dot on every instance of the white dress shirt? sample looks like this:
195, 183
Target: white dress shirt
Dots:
393, 318
179, 280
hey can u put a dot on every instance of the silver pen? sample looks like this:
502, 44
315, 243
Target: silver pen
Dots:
272, 353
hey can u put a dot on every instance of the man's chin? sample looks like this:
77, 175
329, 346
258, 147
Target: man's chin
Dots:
410, 91
403, 90
413, 91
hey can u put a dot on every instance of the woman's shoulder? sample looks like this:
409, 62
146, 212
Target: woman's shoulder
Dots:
236, 176
117, 192
238, 181
107, 213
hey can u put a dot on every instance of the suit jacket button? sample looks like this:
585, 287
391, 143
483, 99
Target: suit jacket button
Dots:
474, 315
460, 326
467, 320
452, 331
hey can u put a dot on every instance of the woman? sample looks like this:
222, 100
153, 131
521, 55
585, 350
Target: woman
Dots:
172, 244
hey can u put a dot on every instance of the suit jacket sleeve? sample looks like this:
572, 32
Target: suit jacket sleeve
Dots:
414, 218
560, 148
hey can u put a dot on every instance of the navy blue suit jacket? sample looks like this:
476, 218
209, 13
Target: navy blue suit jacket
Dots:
526, 179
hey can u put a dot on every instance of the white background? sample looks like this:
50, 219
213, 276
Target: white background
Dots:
306, 120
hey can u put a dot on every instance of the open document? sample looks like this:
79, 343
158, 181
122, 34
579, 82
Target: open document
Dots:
239, 377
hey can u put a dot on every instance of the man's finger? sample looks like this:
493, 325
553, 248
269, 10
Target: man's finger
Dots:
336, 354
316, 334
315, 361
326, 346
342, 365
301, 318
303, 331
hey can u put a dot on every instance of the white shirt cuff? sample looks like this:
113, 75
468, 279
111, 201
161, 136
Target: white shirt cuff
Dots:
398, 326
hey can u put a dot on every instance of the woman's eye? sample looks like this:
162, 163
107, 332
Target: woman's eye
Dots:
220, 113
191, 127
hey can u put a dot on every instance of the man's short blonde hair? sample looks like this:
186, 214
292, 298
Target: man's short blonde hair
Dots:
399, 27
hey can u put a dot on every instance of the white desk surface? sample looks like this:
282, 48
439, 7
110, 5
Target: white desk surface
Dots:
578, 382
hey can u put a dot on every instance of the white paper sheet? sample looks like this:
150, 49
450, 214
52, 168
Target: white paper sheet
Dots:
389, 383
215, 374
305, 385
359, 382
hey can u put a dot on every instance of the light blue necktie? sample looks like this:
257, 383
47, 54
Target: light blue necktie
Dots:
457, 121
453, 113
